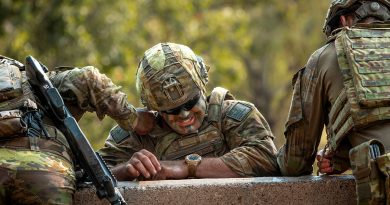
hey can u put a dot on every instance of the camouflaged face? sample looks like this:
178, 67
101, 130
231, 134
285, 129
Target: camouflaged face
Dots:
337, 5
169, 75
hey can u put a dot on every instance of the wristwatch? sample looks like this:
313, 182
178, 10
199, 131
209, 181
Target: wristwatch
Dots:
192, 161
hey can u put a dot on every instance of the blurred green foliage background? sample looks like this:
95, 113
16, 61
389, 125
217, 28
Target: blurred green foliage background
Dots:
253, 47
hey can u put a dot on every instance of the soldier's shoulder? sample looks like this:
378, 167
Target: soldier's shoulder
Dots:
237, 110
323, 54
324, 50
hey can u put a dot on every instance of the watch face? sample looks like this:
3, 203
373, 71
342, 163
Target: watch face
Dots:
193, 157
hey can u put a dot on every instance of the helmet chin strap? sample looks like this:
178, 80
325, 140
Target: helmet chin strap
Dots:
372, 9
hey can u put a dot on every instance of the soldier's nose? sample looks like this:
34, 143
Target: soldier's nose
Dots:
184, 114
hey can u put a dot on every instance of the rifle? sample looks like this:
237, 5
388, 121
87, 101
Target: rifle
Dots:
89, 161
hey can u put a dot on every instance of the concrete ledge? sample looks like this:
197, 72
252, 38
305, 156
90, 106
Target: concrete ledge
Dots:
260, 190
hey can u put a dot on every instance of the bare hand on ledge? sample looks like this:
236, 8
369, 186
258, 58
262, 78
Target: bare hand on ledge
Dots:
142, 163
324, 162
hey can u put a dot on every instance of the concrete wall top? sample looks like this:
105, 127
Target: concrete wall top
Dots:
259, 190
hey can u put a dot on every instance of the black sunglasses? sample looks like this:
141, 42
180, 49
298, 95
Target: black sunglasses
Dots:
186, 106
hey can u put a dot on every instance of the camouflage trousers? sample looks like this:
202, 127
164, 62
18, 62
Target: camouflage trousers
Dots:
29, 181
371, 169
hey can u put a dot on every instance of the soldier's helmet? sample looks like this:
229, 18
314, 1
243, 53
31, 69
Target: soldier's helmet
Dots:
169, 75
362, 9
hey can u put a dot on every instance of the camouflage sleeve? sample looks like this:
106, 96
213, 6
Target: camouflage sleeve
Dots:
88, 90
292, 157
121, 145
314, 90
249, 137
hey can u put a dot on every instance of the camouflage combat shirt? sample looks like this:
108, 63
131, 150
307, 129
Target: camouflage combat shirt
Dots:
243, 141
316, 88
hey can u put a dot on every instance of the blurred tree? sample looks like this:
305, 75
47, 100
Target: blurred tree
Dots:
253, 47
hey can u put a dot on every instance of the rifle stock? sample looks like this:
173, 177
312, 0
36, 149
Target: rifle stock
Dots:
89, 160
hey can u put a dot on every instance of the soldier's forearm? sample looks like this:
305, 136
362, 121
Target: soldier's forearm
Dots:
94, 92
291, 164
214, 168
208, 168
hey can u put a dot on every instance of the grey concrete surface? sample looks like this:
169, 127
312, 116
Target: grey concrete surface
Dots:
327, 190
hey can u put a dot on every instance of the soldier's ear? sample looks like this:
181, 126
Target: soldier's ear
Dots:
346, 20
343, 21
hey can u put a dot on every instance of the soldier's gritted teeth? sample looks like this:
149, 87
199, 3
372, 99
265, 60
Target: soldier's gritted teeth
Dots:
186, 120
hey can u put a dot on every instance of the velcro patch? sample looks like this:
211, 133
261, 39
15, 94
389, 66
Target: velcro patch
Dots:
118, 134
239, 111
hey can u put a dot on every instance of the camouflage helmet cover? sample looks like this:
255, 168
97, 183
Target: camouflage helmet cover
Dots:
169, 75
337, 5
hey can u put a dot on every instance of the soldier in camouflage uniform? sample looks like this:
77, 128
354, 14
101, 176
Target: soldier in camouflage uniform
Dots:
344, 86
36, 164
195, 136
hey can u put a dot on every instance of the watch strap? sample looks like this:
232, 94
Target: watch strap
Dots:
192, 170
192, 161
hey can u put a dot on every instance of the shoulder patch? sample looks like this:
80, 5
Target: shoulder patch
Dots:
118, 134
239, 111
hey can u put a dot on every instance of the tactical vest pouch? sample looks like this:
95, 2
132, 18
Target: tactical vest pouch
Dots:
11, 124
15, 91
384, 166
10, 81
367, 53
207, 143
369, 179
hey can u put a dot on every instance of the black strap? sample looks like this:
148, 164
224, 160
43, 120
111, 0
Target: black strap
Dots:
35, 128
